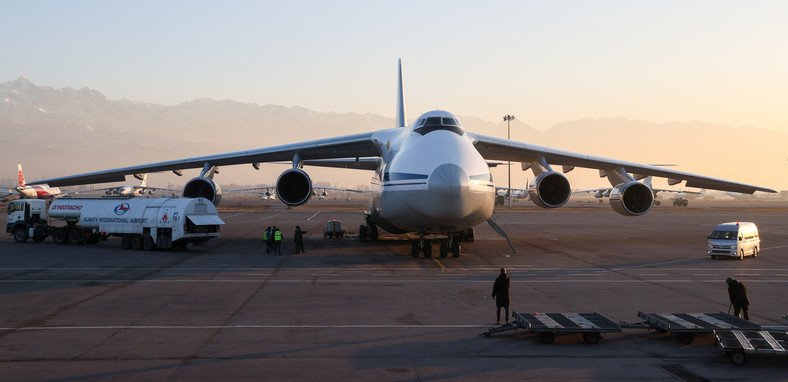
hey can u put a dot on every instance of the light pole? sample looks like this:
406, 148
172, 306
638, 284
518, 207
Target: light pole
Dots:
508, 118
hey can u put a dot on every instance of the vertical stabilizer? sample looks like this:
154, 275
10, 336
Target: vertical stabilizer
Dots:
144, 181
400, 98
21, 176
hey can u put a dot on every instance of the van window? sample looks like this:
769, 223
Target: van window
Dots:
724, 235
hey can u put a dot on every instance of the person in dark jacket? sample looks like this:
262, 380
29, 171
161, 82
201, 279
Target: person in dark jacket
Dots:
298, 237
267, 239
737, 292
500, 293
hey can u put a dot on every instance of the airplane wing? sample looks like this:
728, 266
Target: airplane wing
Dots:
357, 145
353, 163
493, 148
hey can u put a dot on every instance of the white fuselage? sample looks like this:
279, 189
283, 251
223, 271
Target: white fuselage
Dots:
431, 180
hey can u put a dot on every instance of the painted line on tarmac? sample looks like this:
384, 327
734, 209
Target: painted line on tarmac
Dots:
232, 216
316, 213
171, 327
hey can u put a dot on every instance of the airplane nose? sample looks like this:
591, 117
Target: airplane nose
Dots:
449, 180
448, 187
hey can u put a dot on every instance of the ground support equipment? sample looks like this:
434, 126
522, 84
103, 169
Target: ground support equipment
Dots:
548, 325
685, 326
737, 343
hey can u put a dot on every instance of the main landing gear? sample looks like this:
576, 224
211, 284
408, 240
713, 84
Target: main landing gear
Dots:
450, 244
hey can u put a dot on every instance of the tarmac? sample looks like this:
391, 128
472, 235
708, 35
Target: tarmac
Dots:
348, 310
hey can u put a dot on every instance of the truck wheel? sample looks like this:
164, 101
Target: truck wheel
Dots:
147, 243
591, 337
125, 242
20, 234
136, 242
75, 236
741, 254
39, 238
59, 236
755, 252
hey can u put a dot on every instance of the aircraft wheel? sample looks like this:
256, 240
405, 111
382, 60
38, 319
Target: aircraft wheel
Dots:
455, 249
414, 249
59, 236
373, 232
125, 242
444, 248
362, 232
136, 242
147, 243
20, 234
75, 236
427, 249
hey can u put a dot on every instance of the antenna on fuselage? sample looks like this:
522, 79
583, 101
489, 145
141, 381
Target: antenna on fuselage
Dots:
400, 98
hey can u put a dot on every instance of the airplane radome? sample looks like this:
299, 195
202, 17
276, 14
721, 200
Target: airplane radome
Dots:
431, 177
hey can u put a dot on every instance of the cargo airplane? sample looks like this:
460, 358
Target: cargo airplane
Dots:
430, 177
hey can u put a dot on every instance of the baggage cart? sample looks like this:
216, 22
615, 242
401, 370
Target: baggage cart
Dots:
685, 326
548, 325
737, 344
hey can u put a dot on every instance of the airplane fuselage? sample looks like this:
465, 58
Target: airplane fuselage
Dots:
36, 191
432, 179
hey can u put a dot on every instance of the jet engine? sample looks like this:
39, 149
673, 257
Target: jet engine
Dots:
631, 198
204, 188
549, 190
294, 187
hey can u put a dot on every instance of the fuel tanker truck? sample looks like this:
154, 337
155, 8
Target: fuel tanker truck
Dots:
141, 223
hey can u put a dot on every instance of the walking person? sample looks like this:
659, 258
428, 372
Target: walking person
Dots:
267, 239
737, 293
277, 241
500, 293
298, 237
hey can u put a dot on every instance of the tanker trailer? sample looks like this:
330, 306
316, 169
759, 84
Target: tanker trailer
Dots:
141, 223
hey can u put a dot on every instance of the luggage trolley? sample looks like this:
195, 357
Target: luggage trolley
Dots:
686, 325
737, 343
548, 325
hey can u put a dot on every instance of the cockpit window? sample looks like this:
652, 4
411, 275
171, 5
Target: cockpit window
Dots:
431, 124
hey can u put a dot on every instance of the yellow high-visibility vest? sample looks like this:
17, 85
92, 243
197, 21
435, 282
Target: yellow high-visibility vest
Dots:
278, 236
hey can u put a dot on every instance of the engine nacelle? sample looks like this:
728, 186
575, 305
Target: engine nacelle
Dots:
631, 198
549, 190
202, 187
294, 187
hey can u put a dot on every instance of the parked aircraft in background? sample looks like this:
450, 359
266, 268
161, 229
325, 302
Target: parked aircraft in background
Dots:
33, 191
266, 192
430, 178
140, 190
679, 199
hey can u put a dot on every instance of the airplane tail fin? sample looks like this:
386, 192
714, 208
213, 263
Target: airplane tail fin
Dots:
144, 181
21, 176
400, 98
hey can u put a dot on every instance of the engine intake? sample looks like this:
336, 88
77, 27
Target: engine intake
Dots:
631, 198
294, 187
201, 187
549, 190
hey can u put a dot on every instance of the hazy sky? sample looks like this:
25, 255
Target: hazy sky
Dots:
543, 61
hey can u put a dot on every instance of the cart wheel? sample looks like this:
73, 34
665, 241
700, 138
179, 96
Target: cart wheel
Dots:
684, 338
737, 358
591, 337
546, 337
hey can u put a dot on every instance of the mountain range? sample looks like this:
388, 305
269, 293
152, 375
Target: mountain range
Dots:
55, 132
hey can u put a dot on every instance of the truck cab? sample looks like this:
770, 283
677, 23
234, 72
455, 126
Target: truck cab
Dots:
27, 218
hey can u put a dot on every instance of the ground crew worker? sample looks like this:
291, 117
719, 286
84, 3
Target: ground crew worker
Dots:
277, 241
267, 239
500, 293
298, 237
737, 293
